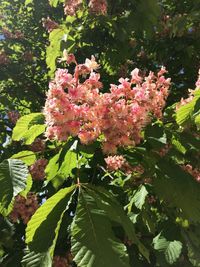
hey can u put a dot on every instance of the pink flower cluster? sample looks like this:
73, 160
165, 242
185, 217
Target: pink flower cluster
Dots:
4, 59
37, 169
75, 106
193, 171
49, 24
63, 261
24, 208
9, 35
72, 6
13, 116
114, 162
117, 162
28, 56
59, 261
98, 7
38, 145
163, 151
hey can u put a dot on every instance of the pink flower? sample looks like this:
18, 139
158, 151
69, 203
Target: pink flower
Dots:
49, 24
13, 116
24, 208
37, 169
38, 145
59, 261
135, 76
114, 162
69, 58
62, 78
91, 64
192, 171
72, 6
75, 106
4, 58
98, 7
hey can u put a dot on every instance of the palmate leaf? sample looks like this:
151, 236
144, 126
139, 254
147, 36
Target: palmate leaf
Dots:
32, 259
171, 249
32, 133
192, 238
23, 124
93, 241
54, 3
42, 228
13, 176
115, 212
187, 111
68, 164
28, 157
29, 183
179, 189
139, 197
197, 121
184, 113
61, 165
53, 50
52, 167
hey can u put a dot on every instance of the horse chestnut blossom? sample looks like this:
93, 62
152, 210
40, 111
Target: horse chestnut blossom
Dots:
4, 58
76, 107
37, 169
24, 208
9, 35
98, 7
72, 6
13, 116
63, 261
114, 162
193, 171
163, 151
49, 24
38, 145
59, 261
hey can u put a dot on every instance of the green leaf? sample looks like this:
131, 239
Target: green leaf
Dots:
52, 167
28, 2
178, 145
155, 135
32, 259
68, 164
192, 238
139, 197
197, 121
53, 50
93, 240
32, 133
29, 183
184, 113
178, 189
26, 156
54, 3
13, 176
115, 212
61, 165
42, 228
23, 124
171, 249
